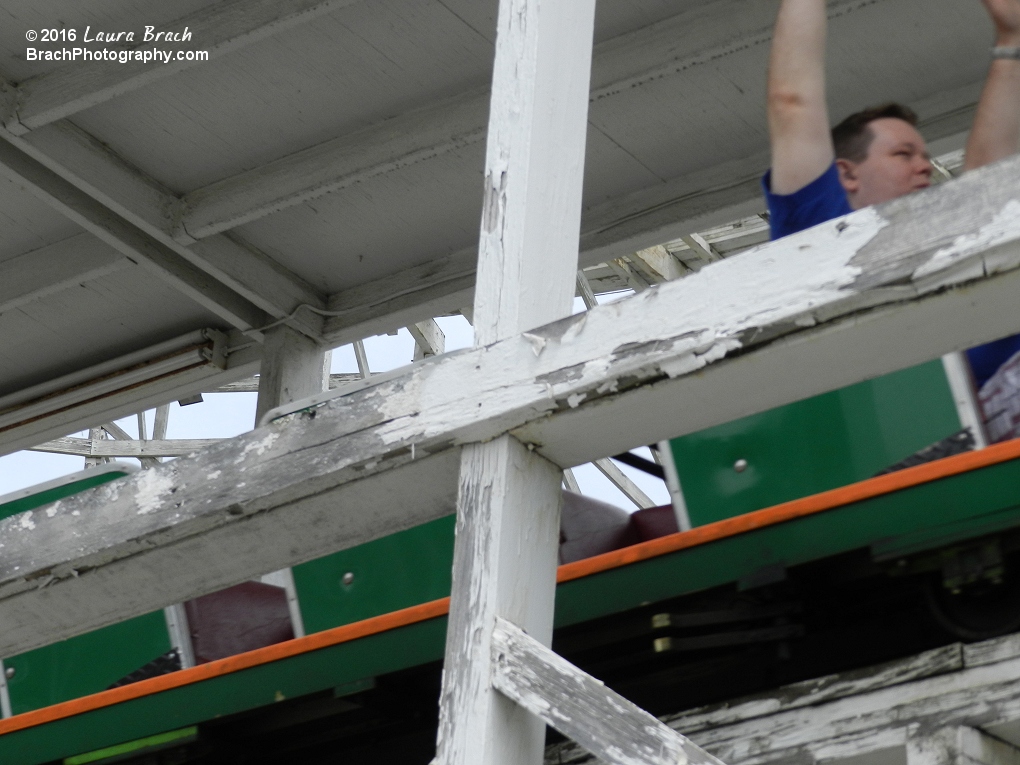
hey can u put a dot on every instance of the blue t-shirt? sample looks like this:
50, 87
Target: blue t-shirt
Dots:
824, 199
821, 200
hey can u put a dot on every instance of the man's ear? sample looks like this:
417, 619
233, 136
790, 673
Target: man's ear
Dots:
848, 175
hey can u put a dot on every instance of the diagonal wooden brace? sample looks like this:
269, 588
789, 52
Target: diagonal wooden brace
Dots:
581, 707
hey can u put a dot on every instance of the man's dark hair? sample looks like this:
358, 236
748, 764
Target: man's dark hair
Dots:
853, 136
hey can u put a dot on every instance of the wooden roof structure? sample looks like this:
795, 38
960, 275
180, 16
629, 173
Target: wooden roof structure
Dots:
323, 167
318, 179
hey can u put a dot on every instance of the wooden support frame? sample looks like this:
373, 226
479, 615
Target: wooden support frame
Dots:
581, 707
508, 503
877, 291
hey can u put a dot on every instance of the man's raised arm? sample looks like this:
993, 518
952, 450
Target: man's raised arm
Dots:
996, 132
798, 115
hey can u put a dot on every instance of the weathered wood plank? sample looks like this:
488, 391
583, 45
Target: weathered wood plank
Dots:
92, 169
856, 713
820, 310
125, 448
508, 503
992, 651
127, 239
824, 689
579, 706
292, 369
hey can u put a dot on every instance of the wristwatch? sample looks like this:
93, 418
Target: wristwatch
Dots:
1006, 51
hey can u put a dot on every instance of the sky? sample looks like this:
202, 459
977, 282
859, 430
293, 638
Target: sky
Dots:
223, 415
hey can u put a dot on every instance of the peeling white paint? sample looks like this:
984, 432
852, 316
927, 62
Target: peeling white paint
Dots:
51, 511
262, 445
1004, 227
537, 342
150, 488
26, 521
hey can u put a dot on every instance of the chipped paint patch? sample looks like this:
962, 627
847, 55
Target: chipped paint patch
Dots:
261, 446
26, 521
150, 487
1004, 227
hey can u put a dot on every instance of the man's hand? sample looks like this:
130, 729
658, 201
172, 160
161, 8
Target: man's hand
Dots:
1006, 17
996, 132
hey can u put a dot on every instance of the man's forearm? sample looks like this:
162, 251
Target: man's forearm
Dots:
996, 132
798, 116
797, 62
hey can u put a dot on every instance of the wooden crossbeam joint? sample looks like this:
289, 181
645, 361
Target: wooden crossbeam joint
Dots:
581, 707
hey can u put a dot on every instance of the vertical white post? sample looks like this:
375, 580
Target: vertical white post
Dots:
967, 405
508, 499
293, 367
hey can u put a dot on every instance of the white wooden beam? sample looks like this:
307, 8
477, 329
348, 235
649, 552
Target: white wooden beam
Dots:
90, 167
504, 565
968, 408
292, 369
429, 339
377, 150
583, 708
251, 384
620, 480
96, 395
921, 710
87, 447
880, 290
127, 238
56, 267
218, 29
915, 707
508, 500
665, 49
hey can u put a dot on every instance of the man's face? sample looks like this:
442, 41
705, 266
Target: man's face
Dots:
897, 164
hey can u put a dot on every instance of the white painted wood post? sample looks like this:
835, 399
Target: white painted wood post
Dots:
509, 498
961, 383
293, 367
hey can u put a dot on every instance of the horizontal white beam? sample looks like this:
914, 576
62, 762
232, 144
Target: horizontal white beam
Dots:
251, 384
218, 29
377, 150
127, 238
583, 708
858, 715
642, 58
853, 298
118, 188
85, 447
94, 396
56, 267
668, 48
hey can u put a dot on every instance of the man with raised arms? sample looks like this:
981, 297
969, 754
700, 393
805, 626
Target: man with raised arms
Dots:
878, 154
